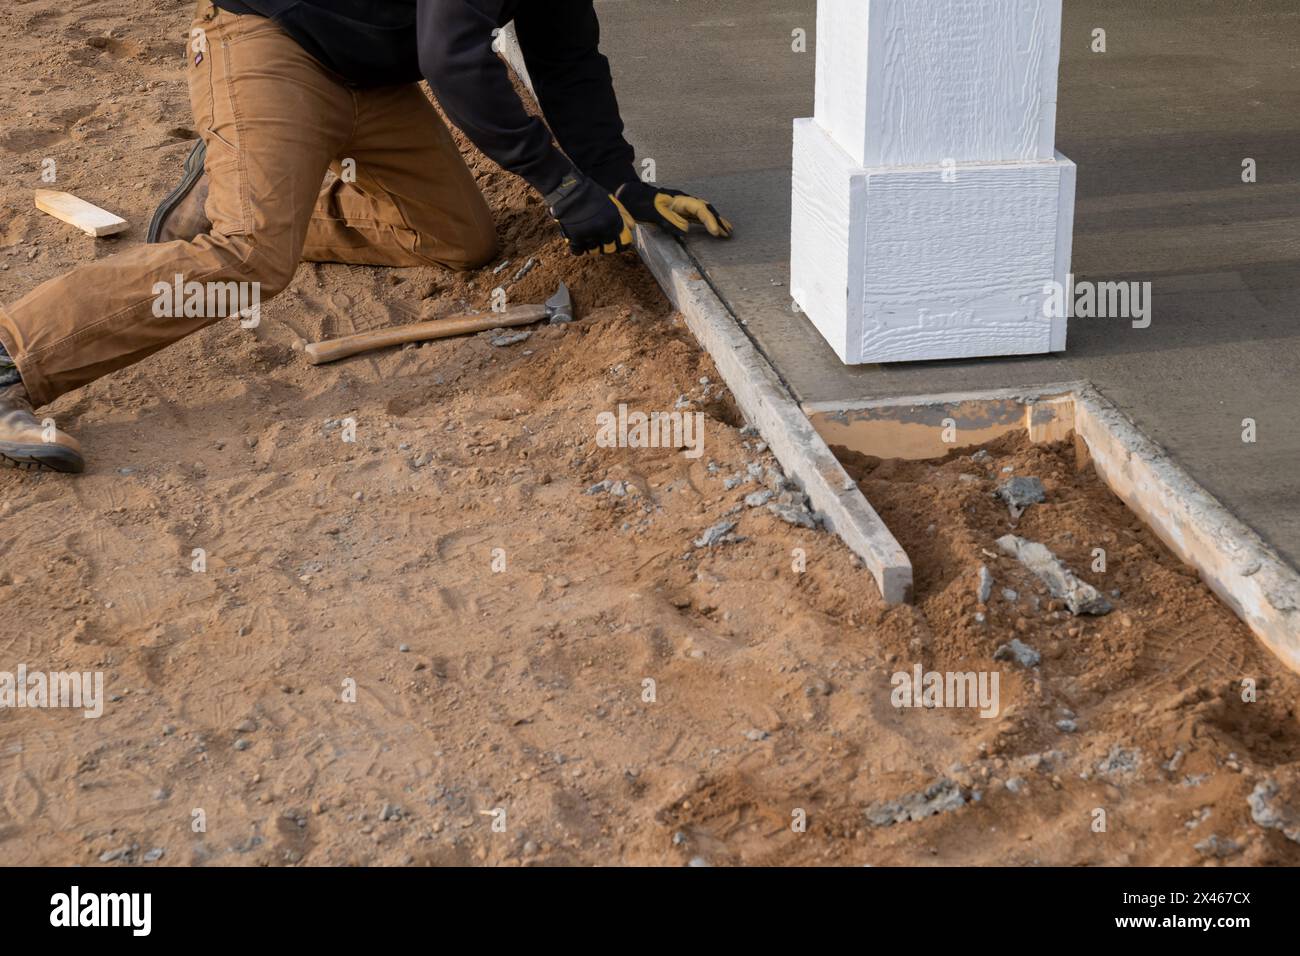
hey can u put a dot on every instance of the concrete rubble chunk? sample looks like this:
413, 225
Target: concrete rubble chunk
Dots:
1079, 596
942, 796
793, 514
1218, 847
1275, 803
509, 338
1120, 761
715, 535
1021, 492
985, 586
1018, 651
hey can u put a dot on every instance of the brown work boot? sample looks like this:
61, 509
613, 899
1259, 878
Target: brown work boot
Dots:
181, 214
26, 443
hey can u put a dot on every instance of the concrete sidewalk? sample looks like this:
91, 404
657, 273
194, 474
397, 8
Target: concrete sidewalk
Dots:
1159, 127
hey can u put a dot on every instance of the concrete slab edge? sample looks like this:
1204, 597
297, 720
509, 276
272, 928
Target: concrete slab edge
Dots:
768, 405
1235, 563
1033, 393
1233, 560
765, 401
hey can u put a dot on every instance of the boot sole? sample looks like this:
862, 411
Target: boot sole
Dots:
34, 457
193, 172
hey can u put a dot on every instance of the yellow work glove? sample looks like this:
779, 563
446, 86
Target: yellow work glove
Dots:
671, 209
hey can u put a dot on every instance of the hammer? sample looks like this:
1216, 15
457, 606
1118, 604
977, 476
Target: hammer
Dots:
557, 309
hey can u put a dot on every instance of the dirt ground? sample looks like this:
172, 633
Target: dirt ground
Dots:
499, 620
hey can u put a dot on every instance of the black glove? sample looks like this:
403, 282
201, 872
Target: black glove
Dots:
671, 209
591, 219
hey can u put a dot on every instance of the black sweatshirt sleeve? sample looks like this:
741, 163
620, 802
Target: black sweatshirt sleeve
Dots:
559, 39
473, 85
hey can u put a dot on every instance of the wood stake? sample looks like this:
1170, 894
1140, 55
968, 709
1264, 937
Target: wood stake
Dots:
89, 218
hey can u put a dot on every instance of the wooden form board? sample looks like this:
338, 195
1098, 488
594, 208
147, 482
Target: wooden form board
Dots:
903, 82
87, 217
923, 262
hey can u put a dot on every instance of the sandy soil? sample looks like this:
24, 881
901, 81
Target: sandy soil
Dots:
516, 695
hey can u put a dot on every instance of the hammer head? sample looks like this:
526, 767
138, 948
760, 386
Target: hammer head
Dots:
559, 307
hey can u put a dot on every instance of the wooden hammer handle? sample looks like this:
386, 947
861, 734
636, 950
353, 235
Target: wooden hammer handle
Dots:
318, 353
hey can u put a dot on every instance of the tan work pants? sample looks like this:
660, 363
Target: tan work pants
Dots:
274, 122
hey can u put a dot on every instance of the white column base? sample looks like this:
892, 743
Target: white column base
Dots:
897, 264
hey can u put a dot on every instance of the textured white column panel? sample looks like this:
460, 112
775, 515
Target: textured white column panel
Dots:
901, 264
958, 269
841, 93
905, 82
826, 222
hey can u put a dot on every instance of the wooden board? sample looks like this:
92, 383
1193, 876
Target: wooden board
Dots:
89, 218
902, 82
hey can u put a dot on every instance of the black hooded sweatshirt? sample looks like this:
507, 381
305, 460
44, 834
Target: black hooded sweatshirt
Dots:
449, 43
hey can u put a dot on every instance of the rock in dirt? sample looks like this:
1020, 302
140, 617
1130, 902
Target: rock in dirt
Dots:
1275, 803
1079, 596
715, 535
510, 338
985, 586
1120, 761
1018, 651
526, 268
942, 796
1218, 847
121, 853
1020, 492
618, 489
793, 514
757, 499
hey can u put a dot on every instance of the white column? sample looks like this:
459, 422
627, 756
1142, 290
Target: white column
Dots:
930, 208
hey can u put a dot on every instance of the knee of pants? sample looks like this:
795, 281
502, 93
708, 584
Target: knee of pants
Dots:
477, 251
268, 264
